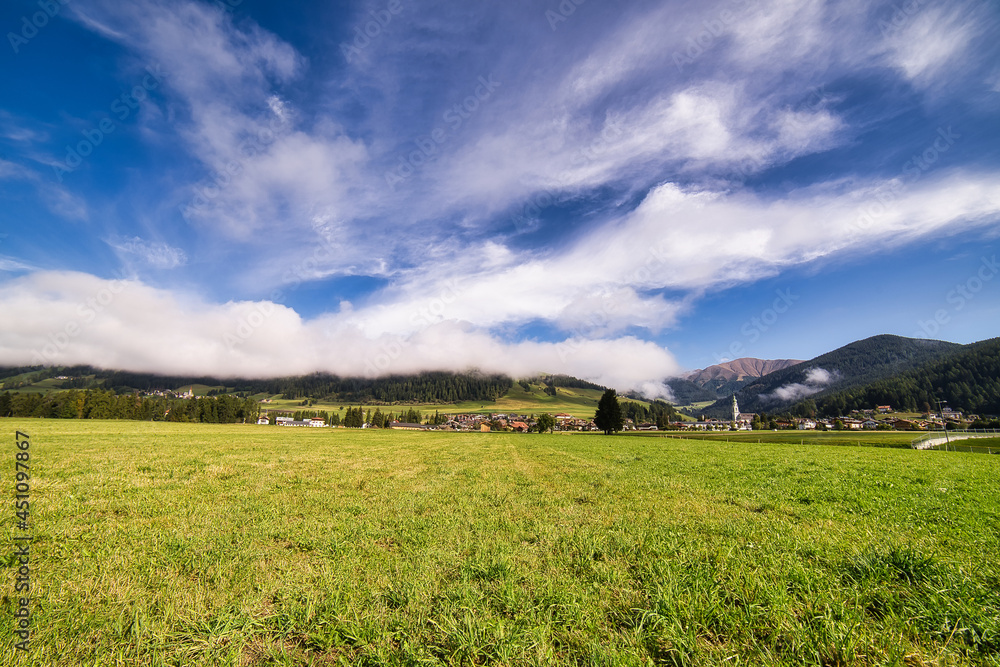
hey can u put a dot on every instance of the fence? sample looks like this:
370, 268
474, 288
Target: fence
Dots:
945, 440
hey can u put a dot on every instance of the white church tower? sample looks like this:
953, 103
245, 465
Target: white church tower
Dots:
736, 410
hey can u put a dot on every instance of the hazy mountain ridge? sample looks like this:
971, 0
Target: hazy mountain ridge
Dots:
737, 369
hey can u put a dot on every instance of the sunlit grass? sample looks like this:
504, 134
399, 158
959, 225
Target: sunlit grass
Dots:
168, 544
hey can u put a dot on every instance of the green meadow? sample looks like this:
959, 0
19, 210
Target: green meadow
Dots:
846, 438
176, 544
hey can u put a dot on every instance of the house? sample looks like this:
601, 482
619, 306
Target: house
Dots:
883, 409
871, 425
281, 421
806, 425
316, 422
903, 425
484, 428
520, 427
562, 416
263, 420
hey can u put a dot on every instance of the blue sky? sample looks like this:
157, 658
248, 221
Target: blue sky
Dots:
617, 191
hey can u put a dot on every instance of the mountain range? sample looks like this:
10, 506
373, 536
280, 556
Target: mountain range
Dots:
715, 382
907, 373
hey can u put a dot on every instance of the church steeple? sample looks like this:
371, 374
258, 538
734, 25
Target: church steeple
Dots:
736, 410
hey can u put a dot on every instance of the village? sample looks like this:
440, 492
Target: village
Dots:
880, 418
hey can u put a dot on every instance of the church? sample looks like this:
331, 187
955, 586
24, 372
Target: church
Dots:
742, 421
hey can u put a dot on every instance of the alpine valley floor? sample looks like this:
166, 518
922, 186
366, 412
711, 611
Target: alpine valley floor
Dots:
174, 544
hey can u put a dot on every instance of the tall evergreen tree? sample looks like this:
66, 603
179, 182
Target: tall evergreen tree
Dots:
609, 416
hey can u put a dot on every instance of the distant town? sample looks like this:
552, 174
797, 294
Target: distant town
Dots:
881, 418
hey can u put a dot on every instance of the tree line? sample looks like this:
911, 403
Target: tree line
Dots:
106, 404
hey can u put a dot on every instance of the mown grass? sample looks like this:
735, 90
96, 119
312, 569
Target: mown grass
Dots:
841, 438
168, 544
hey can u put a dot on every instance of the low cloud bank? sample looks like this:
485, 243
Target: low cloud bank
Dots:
66, 318
816, 380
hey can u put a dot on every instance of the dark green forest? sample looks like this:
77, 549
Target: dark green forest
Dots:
659, 412
968, 380
106, 404
435, 387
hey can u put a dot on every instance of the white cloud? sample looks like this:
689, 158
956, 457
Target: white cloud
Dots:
606, 281
816, 380
13, 264
618, 114
610, 112
260, 166
72, 318
10, 170
923, 43
155, 254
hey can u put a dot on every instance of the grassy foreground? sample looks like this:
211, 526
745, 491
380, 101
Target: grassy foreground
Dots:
168, 544
843, 438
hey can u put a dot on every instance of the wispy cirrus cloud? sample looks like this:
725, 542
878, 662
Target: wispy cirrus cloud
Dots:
155, 254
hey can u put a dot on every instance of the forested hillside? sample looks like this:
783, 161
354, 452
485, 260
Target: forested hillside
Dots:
969, 380
424, 388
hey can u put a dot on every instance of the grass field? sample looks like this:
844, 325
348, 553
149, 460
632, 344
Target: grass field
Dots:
169, 544
977, 445
848, 438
